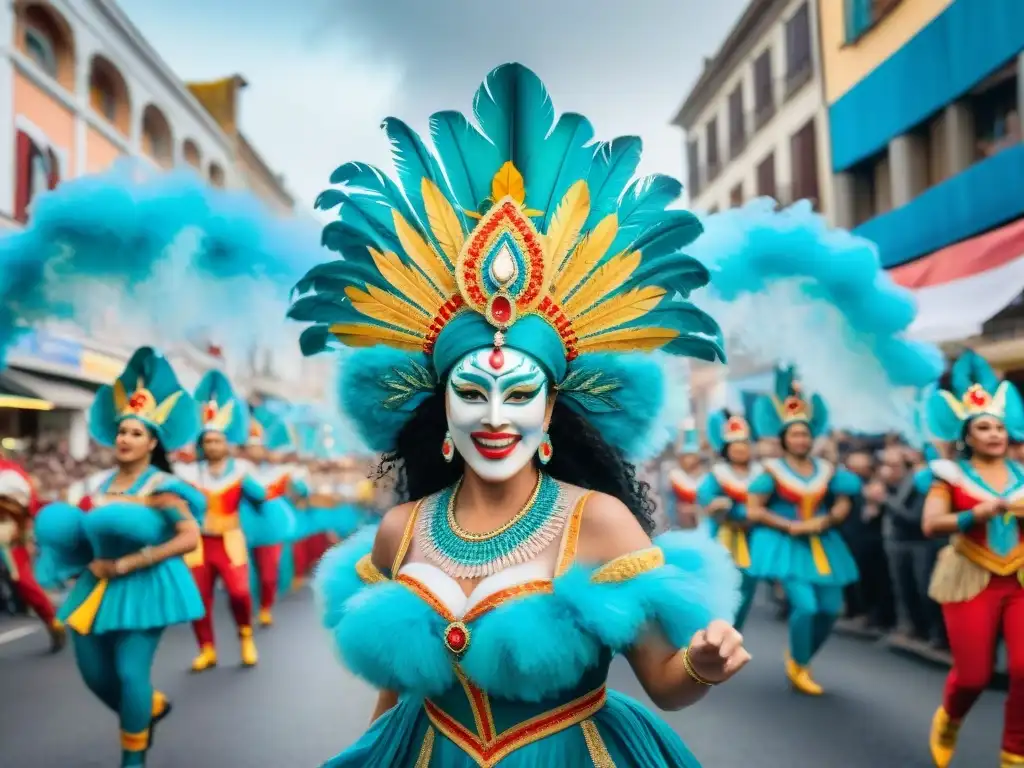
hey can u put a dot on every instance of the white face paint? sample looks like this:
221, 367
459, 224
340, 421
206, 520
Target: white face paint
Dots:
497, 406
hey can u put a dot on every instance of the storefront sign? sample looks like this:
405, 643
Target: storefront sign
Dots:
100, 367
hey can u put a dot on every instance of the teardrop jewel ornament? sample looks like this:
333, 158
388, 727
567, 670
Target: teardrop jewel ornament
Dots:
448, 447
545, 450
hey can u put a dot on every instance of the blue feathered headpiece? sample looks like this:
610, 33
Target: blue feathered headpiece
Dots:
147, 391
976, 391
787, 406
725, 427
520, 232
221, 410
268, 429
787, 287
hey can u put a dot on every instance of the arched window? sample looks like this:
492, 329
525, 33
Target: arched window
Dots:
108, 93
44, 36
216, 175
156, 136
190, 151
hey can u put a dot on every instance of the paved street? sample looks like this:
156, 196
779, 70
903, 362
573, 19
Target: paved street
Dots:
299, 707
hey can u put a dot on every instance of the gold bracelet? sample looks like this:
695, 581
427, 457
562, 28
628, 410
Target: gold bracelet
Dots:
688, 666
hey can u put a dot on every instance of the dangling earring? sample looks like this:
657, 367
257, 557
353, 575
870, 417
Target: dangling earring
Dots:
544, 450
448, 447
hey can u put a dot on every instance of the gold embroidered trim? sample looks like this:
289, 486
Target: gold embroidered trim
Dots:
135, 742
629, 566
368, 572
567, 553
426, 749
488, 755
403, 546
595, 745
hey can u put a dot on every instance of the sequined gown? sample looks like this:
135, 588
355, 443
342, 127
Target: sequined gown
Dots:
514, 674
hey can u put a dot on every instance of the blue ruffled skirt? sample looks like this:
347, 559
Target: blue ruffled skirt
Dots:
150, 598
779, 556
633, 737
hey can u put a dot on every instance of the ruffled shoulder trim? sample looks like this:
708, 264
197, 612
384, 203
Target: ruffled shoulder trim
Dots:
629, 566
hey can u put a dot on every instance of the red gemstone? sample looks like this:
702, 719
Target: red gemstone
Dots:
501, 309
456, 639
497, 359
978, 397
446, 448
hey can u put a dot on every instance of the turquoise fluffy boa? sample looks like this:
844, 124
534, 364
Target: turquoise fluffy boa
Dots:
531, 647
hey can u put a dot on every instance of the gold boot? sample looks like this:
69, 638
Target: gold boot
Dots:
801, 680
249, 655
206, 659
266, 617
942, 740
1007, 760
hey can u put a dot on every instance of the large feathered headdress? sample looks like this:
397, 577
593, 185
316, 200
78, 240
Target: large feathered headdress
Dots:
520, 232
220, 408
975, 391
148, 391
788, 405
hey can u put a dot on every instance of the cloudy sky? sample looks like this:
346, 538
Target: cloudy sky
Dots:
322, 73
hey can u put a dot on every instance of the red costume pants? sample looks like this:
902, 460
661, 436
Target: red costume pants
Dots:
236, 580
974, 628
26, 586
268, 563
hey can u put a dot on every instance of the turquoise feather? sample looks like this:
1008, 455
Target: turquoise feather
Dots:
414, 162
615, 162
467, 156
969, 369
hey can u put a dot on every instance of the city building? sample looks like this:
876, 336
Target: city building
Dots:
84, 89
755, 119
756, 125
924, 100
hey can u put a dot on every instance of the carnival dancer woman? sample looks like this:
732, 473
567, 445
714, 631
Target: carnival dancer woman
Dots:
127, 550
225, 481
723, 496
268, 526
797, 503
18, 506
490, 606
979, 578
685, 480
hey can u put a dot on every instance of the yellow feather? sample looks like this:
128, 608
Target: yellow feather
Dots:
624, 308
164, 409
443, 221
508, 182
366, 335
424, 257
385, 308
120, 397
605, 280
407, 282
574, 269
628, 340
569, 218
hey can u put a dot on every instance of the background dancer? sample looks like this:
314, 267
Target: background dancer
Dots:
977, 498
797, 503
268, 526
225, 481
126, 552
723, 496
18, 506
685, 479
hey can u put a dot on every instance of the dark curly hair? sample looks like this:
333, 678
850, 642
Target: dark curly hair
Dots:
581, 457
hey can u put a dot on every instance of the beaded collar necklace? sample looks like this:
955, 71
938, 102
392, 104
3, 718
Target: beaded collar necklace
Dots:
465, 555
